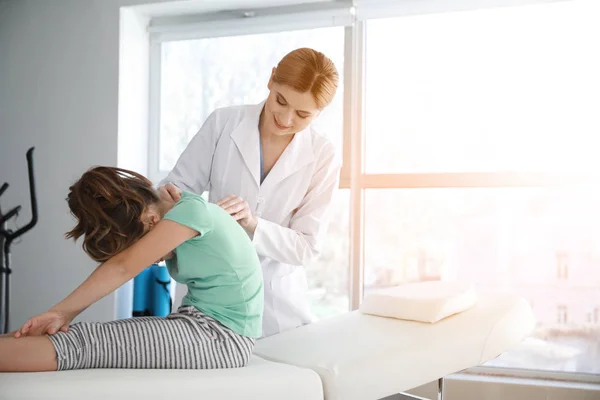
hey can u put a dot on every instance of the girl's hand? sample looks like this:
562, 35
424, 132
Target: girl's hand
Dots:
47, 323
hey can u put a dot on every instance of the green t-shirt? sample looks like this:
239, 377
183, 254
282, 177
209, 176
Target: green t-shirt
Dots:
219, 266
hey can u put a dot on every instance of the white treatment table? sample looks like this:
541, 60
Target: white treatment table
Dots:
353, 356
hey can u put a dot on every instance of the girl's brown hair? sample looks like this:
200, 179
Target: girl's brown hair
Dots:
108, 204
307, 70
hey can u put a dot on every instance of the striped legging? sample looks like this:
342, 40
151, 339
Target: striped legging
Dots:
187, 339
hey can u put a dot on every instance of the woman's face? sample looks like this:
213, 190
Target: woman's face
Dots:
288, 111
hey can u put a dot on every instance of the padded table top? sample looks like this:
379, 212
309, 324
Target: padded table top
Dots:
260, 379
365, 357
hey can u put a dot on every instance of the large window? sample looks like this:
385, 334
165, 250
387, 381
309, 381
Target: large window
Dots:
508, 89
469, 154
492, 91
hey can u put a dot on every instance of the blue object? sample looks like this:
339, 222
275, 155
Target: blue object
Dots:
151, 292
160, 288
141, 293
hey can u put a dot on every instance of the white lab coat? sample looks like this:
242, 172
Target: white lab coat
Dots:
291, 204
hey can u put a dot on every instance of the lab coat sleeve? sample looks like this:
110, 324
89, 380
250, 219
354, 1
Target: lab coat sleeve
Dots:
300, 243
192, 170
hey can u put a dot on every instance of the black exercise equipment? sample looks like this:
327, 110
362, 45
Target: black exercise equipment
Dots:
7, 237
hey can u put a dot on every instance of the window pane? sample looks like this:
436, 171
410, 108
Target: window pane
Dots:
198, 76
328, 276
505, 89
543, 244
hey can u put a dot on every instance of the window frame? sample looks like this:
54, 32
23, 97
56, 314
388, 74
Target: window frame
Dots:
154, 172
354, 17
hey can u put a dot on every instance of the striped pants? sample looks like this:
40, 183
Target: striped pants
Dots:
187, 339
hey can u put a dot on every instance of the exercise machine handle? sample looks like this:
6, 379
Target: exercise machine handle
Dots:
9, 215
3, 188
34, 205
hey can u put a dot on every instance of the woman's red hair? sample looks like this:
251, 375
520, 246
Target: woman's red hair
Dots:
307, 70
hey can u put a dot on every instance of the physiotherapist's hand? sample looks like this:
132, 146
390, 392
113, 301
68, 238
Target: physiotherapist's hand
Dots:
239, 209
170, 193
49, 323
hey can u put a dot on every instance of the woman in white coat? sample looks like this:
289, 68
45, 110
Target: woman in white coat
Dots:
274, 174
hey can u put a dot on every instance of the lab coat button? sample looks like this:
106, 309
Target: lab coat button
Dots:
258, 214
260, 200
